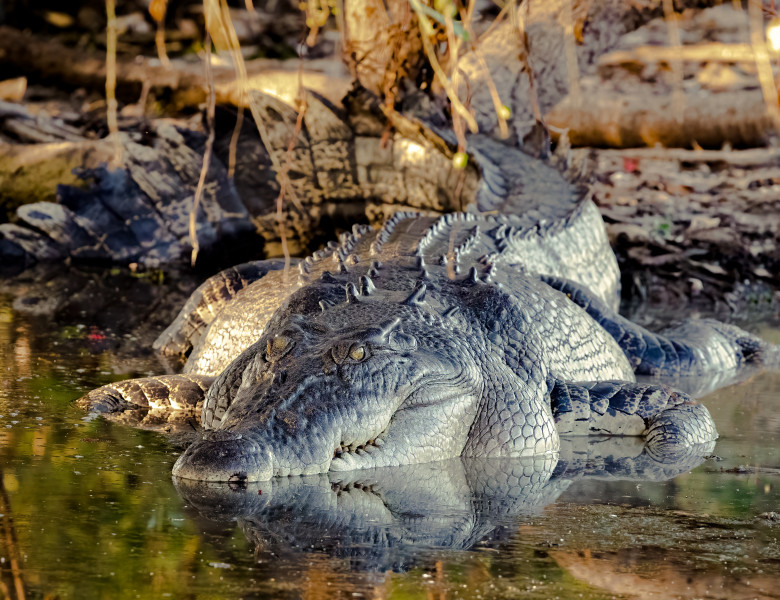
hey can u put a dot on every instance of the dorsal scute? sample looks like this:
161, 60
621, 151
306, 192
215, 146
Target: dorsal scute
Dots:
456, 240
353, 295
367, 286
343, 254
389, 227
417, 297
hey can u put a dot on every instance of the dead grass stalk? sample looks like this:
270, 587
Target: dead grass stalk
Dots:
206, 154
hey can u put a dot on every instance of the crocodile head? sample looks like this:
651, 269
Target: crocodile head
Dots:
370, 382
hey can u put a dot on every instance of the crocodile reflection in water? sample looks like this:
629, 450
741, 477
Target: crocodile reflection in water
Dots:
388, 518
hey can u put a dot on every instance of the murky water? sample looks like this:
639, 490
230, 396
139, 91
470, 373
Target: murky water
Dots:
88, 509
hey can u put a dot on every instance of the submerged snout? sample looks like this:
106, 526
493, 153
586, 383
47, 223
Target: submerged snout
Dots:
224, 456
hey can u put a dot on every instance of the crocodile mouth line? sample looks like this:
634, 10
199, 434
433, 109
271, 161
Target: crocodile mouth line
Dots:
344, 449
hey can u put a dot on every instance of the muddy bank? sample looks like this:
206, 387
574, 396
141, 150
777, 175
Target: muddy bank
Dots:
693, 225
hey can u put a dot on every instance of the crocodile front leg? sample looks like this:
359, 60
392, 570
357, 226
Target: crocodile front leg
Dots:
513, 418
666, 418
150, 402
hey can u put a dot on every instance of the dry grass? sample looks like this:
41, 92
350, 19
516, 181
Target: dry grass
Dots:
206, 155
111, 103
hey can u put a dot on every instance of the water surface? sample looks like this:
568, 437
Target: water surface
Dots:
88, 509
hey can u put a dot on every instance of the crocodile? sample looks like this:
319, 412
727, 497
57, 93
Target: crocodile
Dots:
477, 335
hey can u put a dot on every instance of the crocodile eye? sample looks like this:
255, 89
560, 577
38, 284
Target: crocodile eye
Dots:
357, 353
277, 347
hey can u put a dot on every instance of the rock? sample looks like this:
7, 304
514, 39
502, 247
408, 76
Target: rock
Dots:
19, 245
57, 222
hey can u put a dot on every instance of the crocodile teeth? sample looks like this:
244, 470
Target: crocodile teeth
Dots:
345, 462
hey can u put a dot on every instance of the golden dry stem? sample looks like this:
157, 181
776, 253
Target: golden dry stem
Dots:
111, 103
157, 9
220, 26
206, 155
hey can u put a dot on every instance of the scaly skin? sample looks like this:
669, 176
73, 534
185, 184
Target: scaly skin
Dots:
430, 339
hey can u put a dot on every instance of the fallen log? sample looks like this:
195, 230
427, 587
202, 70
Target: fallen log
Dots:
753, 157
183, 84
607, 118
700, 53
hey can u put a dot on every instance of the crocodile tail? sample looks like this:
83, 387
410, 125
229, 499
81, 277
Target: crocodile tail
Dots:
314, 149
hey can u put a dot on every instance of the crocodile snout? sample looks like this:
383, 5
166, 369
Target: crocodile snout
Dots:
224, 456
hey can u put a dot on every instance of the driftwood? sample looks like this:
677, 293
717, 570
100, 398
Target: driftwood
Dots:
27, 127
643, 117
183, 85
705, 90
641, 56
755, 157
51, 61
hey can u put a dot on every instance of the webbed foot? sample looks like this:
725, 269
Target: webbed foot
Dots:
684, 425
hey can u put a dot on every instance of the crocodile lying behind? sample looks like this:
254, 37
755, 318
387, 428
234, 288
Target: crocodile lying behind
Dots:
432, 337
